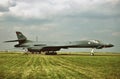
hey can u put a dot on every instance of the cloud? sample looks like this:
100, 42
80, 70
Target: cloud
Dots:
117, 34
6, 4
103, 31
4, 8
49, 9
42, 28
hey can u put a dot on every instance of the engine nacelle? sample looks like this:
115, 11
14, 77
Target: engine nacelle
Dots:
33, 50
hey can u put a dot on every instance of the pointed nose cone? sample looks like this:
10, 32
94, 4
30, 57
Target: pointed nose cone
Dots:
109, 45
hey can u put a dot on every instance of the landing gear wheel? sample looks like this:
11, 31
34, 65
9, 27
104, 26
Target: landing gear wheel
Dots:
46, 53
54, 53
50, 53
92, 54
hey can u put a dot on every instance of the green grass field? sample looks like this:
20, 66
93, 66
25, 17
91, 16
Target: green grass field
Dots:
19, 66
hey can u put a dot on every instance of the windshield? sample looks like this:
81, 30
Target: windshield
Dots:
95, 41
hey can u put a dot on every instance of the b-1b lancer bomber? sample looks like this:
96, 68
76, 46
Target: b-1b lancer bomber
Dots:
52, 48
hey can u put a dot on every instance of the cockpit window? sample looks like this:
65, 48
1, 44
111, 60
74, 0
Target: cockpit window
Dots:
95, 41
89, 42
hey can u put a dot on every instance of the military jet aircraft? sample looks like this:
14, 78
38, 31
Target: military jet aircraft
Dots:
52, 48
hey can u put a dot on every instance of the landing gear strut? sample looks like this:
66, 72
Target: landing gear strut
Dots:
92, 52
25, 51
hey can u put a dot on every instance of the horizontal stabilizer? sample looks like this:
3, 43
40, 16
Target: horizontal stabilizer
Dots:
12, 41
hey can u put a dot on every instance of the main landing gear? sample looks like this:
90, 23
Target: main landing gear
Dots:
92, 52
50, 53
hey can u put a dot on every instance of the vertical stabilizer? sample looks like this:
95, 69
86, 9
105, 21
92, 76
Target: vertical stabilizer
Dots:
21, 37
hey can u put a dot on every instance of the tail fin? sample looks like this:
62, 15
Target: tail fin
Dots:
21, 38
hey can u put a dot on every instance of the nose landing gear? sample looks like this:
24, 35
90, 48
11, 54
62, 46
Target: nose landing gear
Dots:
92, 52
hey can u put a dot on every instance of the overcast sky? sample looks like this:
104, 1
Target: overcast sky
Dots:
61, 20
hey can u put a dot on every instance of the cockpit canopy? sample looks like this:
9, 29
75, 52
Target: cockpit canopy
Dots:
95, 41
